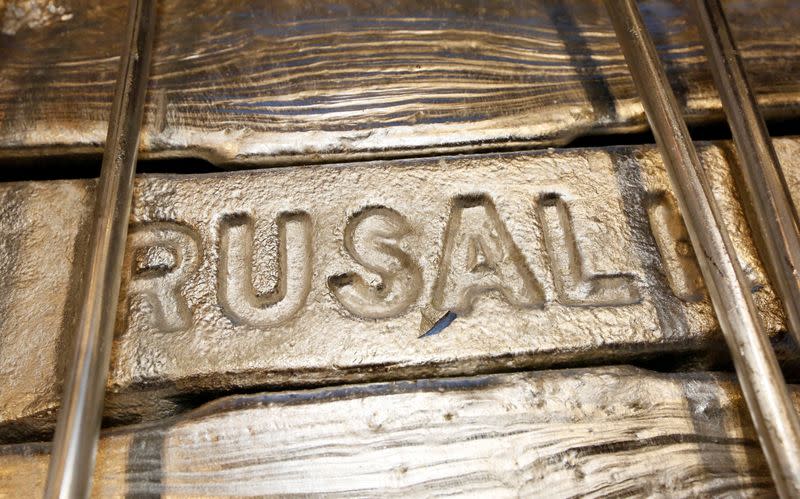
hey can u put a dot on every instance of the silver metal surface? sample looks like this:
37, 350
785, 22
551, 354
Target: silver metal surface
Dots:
326, 274
75, 440
773, 215
605, 431
757, 369
258, 84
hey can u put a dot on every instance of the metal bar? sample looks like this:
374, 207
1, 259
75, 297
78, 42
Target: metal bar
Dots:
759, 375
78, 427
773, 216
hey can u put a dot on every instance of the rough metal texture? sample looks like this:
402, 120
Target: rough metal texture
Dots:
612, 431
31, 14
302, 276
286, 81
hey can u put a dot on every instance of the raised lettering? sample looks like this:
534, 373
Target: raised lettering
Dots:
236, 291
479, 256
161, 256
675, 248
371, 238
575, 285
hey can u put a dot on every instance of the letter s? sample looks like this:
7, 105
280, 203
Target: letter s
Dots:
370, 238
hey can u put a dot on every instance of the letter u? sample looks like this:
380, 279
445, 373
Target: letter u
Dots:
236, 293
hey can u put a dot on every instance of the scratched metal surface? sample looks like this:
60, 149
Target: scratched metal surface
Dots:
243, 82
610, 431
312, 275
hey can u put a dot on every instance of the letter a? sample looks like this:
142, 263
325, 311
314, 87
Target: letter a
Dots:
479, 256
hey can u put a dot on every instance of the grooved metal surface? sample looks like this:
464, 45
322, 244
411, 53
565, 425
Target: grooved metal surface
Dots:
254, 82
600, 431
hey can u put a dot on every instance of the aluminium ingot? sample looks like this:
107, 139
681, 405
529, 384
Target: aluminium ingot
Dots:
330, 274
577, 432
248, 82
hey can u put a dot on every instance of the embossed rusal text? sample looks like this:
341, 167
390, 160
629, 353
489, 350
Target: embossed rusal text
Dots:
265, 266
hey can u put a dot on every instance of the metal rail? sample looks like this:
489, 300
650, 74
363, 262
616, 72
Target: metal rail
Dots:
760, 377
75, 442
773, 217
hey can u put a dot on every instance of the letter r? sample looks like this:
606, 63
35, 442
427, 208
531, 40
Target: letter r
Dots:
159, 282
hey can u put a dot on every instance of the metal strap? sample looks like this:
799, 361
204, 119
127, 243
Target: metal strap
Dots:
77, 431
760, 377
773, 217
75, 441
